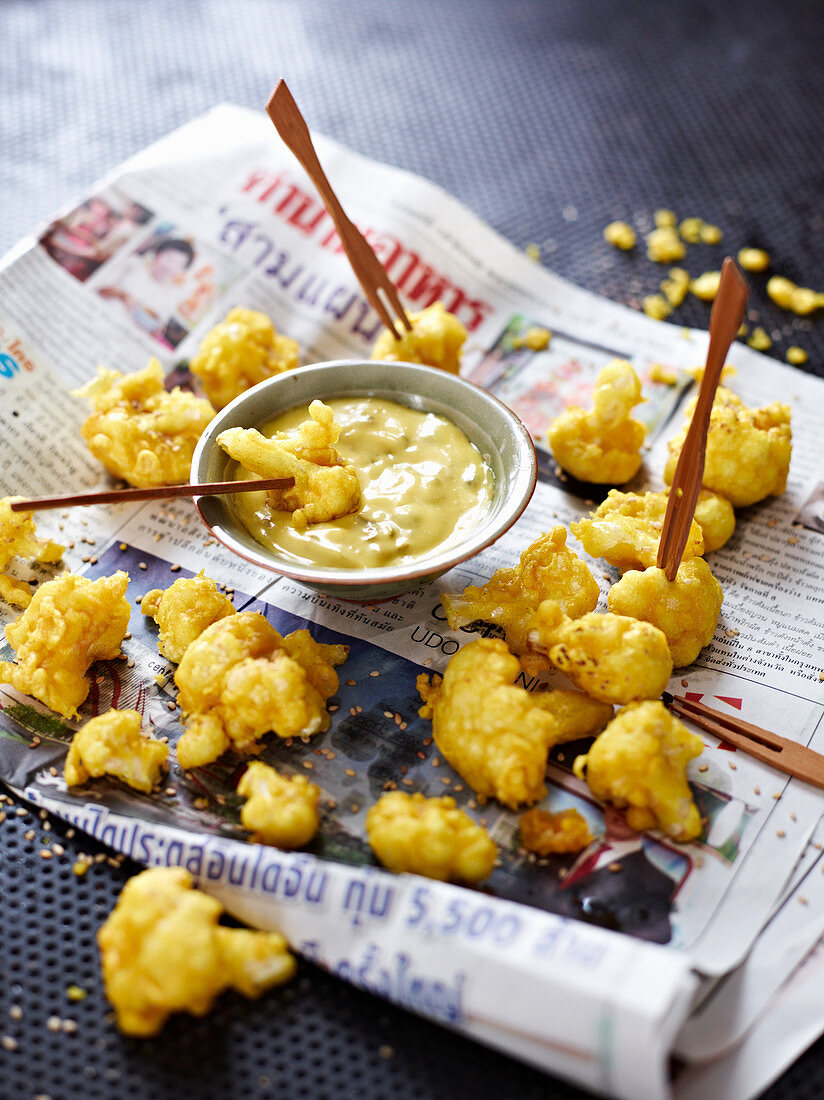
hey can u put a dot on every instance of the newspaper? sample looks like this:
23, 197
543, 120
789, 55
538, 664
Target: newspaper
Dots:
621, 959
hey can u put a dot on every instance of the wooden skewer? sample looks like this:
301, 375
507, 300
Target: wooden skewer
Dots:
725, 321
159, 492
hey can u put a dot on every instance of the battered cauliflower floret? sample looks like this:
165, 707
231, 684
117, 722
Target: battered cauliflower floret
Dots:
325, 486
748, 450
140, 431
240, 679
70, 623
436, 340
640, 762
625, 530
429, 836
163, 951
611, 657
18, 539
602, 446
279, 810
183, 611
685, 609
547, 570
113, 744
497, 735
241, 351
548, 834
715, 516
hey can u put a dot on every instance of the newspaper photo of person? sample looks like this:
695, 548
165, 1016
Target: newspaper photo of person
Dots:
89, 235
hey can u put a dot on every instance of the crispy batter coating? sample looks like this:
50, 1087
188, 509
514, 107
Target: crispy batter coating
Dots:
140, 431
611, 657
279, 810
748, 450
163, 951
625, 530
429, 836
70, 623
547, 569
113, 744
240, 679
685, 609
436, 340
183, 611
325, 486
18, 539
640, 762
716, 517
547, 834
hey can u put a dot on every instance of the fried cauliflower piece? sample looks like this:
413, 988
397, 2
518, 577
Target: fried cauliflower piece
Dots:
183, 611
70, 623
140, 431
113, 744
240, 679
279, 810
496, 734
325, 486
602, 446
547, 569
625, 530
548, 834
436, 340
163, 951
18, 539
686, 609
748, 450
640, 762
716, 517
429, 836
611, 657
241, 351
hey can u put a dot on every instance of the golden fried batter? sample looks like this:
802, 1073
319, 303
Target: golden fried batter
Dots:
113, 744
18, 538
241, 351
436, 340
279, 810
183, 611
715, 516
625, 530
548, 834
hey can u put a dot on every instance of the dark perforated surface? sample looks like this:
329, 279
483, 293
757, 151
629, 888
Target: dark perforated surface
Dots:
549, 120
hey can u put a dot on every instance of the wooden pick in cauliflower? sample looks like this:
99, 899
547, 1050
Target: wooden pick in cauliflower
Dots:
279, 810
140, 431
163, 951
18, 538
183, 611
70, 623
547, 834
113, 744
240, 680
640, 762
241, 351
625, 530
436, 340
602, 446
429, 836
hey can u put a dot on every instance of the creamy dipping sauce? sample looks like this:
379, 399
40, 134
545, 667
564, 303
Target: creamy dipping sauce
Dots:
423, 486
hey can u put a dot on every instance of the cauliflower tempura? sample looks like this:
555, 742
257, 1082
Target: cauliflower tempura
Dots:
715, 516
18, 539
547, 569
183, 611
70, 623
279, 810
548, 834
429, 836
602, 446
240, 679
113, 744
625, 530
241, 351
640, 762
685, 609
436, 340
748, 450
325, 486
163, 951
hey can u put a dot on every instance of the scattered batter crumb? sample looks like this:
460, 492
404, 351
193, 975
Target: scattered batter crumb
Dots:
706, 286
796, 355
656, 306
620, 235
759, 339
754, 259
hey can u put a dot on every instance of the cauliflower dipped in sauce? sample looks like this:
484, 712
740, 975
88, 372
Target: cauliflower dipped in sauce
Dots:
429, 836
70, 623
547, 569
602, 446
113, 744
547, 834
241, 351
183, 611
279, 809
163, 951
639, 763
325, 486
140, 431
18, 539
240, 680
436, 340
625, 530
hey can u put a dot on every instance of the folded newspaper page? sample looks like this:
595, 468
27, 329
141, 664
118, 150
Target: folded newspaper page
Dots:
589, 964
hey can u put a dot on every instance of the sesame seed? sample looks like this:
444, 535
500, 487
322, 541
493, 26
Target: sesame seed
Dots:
436, 761
756, 790
174, 568
350, 772
685, 683
733, 765
29, 834
70, 1026
780, 833
387, 714
614, 867
703, 767
8, 1043
351, 683
407, 782
802, 900
374, 672
445, 780
308, 764
777, 795
16, 1012
355, 807
54, 1023
386, 1051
